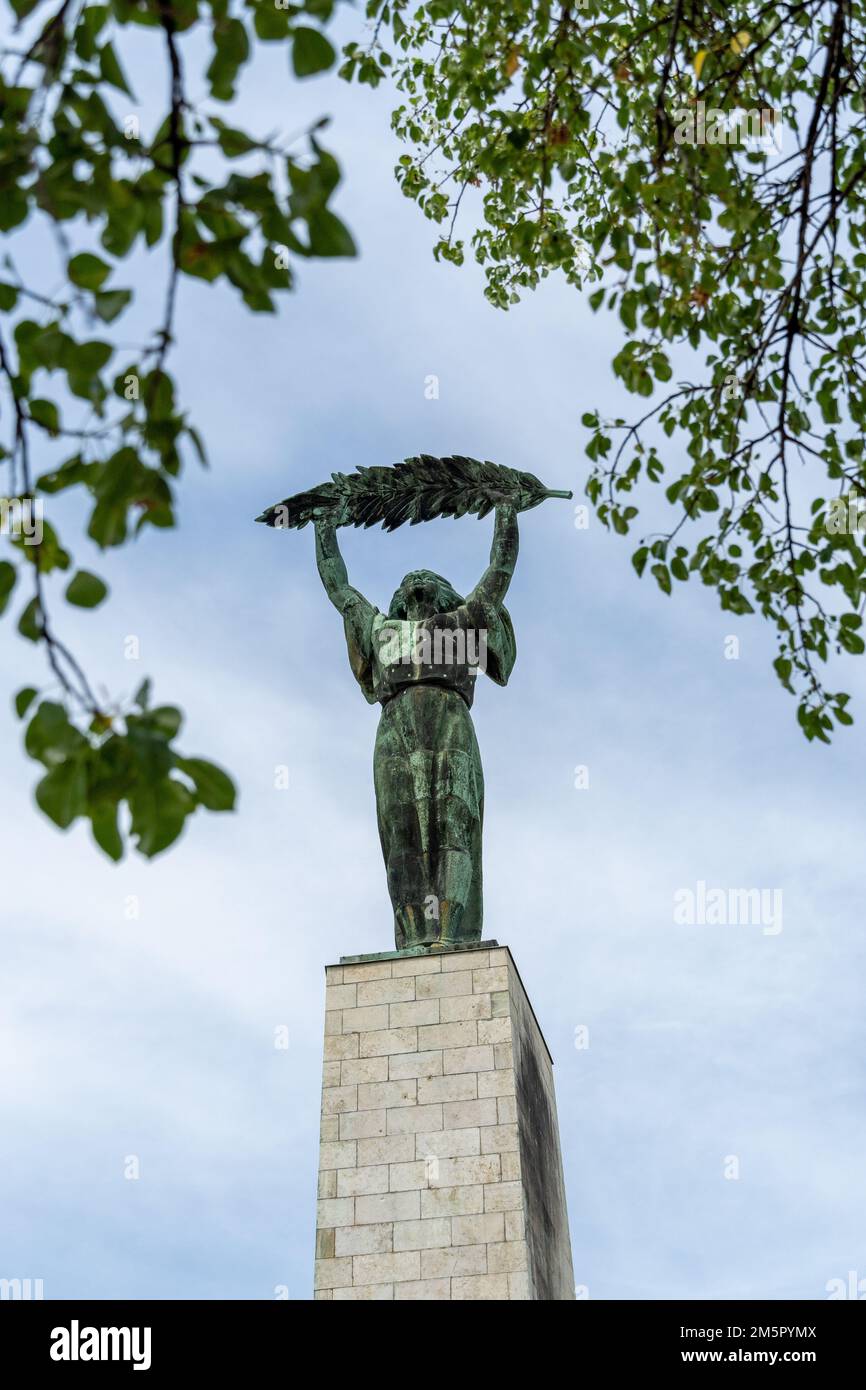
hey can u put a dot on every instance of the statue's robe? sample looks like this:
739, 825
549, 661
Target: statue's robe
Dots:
427, 767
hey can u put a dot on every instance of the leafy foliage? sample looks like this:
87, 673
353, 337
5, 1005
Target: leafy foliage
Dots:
224, 205
416, 489
702, 170
130, 759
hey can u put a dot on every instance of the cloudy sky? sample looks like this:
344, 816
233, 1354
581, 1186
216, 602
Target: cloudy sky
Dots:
713, 1050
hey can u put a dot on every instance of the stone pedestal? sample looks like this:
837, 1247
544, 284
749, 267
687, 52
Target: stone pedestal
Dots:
440, 1174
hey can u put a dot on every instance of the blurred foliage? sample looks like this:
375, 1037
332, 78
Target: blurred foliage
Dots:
225, 204
700, 168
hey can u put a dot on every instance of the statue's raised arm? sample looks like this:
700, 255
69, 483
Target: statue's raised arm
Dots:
358, 613
332, 568
493, 584
330, 563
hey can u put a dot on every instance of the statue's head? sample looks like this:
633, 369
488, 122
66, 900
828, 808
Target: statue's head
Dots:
422, 594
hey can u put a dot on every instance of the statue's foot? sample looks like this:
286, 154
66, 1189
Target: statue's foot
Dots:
449, 937
414, 929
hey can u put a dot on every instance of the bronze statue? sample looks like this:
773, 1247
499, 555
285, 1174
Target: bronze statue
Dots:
420, 661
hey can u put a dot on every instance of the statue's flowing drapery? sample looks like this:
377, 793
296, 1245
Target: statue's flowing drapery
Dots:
426, 766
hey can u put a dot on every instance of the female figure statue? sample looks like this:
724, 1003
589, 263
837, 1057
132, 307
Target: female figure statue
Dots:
420, 662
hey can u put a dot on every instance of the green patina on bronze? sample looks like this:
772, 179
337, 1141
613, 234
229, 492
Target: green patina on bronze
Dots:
420, 661
413, 490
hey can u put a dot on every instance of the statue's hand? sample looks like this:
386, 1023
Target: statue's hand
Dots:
506, 517
528, 500
330, 517
513, 503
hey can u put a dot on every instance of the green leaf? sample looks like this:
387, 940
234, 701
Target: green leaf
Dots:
49, 553
663, 577
198, 444
166, 720
232, 142
123, 479
111, 71
108, 304
8, 576
50, 737
69, 474
62, 792
639, 558
214, 788
89, 358
46, 414
159, 812
24, 699
150, 751
232, 47
141, 698
30, 622
271, 24
329, 236
311, 52
678, 569
86, 590
23, 8
103, 820
88, 271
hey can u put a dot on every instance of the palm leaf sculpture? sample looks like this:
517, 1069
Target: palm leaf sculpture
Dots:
417, 489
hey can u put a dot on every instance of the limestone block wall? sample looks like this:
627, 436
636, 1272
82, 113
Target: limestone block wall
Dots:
425, 1182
